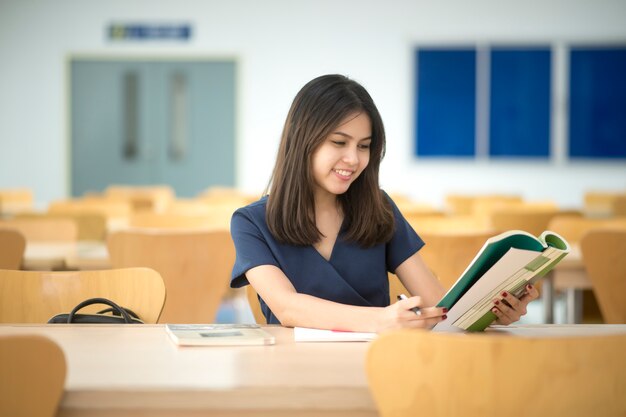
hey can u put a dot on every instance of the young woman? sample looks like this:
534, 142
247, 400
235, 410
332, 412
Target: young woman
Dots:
317, 248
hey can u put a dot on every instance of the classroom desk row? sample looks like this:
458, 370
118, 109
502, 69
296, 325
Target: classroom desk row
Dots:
133, 370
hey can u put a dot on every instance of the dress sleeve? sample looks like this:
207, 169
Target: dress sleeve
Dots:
404, 243
251, 248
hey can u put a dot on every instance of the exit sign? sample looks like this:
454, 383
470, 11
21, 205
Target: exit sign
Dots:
123, 31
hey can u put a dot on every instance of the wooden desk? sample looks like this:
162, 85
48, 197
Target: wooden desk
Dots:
569, 275
135, 370
126, 370
66, 256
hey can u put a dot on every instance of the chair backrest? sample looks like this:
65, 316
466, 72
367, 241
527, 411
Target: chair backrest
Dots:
532, 220
13, 245
195, 267
468, 204
15, 200
91, 226
410, 208
227, 196
448, 254
32, 377
600, 203
618, 206
604, 255
449, 224
36, 296
154, 198
112, 209
413, 372
218, 219
44, 230
573, 228
255, 305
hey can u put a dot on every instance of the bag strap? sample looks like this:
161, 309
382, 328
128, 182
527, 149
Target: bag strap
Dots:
90, 301
115, 312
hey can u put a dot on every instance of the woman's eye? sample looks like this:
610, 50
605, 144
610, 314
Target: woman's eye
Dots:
338, 142
364, 146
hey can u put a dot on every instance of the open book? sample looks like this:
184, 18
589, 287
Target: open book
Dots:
506, 262
218, 334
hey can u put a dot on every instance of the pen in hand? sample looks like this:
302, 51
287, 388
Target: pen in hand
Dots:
416, 310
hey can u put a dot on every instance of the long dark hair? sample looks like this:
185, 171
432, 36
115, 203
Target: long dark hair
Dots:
316, 111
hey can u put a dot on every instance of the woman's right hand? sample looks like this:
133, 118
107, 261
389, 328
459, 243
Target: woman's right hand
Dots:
399, 315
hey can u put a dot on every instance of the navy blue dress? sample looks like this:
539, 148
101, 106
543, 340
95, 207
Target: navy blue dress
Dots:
354, 275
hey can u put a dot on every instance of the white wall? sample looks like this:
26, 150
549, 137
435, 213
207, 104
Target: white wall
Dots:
280, 45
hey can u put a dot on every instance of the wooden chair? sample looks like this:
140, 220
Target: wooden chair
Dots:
15, 200
485, 205
36, 296
190, 207
409, 207
468, 204
573, 228
219, 219
458, 204
449, 224
32, 377
414, 372
600, 203
618, 207
227, 196
255, 305
91, 226
604, 254
44, 230
154, 198
195, 267
13, 245
532, 220
116, 212
111, 209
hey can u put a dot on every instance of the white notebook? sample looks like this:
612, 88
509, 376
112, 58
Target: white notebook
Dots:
219, 335
304, 334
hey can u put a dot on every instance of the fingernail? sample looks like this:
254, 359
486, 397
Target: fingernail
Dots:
494, 310
496, 302
444, 317
445, 310
529, 287
504, 294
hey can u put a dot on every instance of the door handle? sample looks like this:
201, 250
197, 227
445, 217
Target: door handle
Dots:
178, 116
130, 147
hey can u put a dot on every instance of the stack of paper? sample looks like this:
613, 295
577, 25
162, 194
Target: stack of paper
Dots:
303, 334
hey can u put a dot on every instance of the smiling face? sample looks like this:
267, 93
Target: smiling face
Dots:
342, 156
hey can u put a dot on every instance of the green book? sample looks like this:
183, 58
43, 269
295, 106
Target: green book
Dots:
506, 262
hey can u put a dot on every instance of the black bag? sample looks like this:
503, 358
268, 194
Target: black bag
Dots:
119, 314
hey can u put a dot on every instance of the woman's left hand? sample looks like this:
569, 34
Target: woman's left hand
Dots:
516, 308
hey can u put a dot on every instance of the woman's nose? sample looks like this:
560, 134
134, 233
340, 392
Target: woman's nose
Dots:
351, 155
